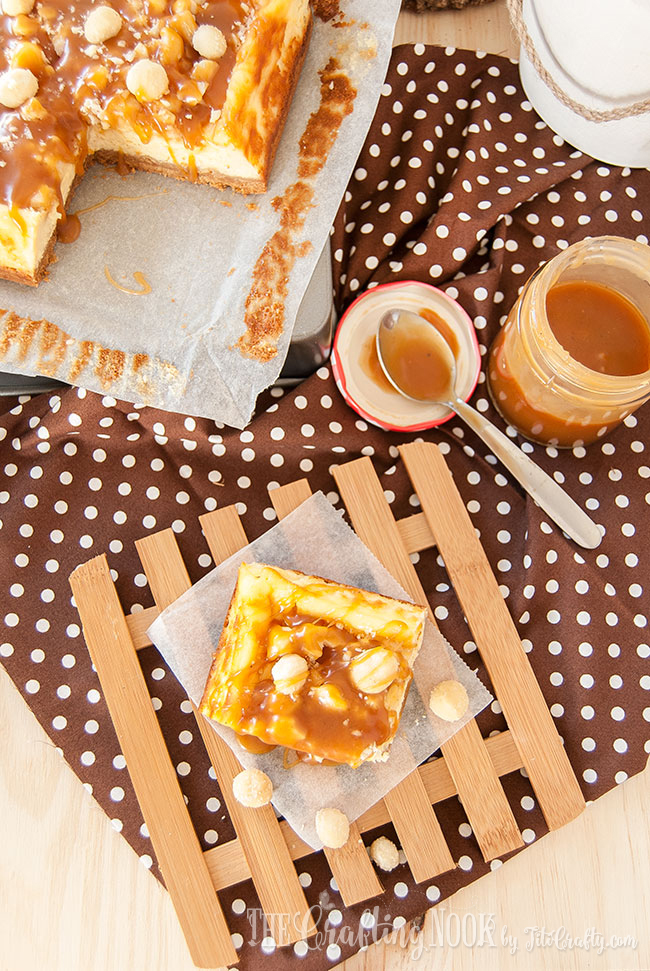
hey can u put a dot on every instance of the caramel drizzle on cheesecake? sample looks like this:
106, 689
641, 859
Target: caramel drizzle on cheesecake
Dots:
83, 85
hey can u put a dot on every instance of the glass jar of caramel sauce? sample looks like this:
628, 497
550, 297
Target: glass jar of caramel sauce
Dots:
573, 357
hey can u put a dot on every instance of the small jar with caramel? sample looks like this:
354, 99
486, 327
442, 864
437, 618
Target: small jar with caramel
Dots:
573, 358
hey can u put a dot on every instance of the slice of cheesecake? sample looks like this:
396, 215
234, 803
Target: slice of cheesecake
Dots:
316, 666
195, 90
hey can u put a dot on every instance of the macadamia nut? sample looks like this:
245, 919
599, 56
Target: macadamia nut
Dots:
252, 788
147, 80
209, 42
13, 8
374, 670
384, 853
101, 24
449, 700
332, 828
289, 673
17, 86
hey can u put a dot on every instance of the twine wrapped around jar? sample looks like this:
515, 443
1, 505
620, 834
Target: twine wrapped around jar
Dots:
591, 114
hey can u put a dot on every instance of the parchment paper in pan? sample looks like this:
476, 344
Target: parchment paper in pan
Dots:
196, 248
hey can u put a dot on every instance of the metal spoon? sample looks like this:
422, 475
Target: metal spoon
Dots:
544, 490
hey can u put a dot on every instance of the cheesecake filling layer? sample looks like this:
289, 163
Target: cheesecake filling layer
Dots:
158, 92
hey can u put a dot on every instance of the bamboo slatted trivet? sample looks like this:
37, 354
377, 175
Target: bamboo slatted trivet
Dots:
265, 849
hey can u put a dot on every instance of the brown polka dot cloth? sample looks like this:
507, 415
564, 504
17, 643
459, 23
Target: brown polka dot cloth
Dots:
459, 184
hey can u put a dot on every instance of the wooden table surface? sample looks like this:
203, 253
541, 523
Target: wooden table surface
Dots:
75, 897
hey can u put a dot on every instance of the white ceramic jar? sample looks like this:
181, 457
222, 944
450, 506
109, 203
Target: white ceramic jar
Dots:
596, 51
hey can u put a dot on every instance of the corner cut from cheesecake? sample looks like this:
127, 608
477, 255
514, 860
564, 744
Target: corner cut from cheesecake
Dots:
194, 90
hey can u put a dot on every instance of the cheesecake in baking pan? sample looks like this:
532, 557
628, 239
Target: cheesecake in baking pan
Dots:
316, 666
195, 89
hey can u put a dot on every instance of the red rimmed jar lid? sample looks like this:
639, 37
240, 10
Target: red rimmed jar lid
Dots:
358, 373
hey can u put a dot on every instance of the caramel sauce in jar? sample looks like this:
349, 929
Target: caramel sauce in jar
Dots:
573, 357
599, 327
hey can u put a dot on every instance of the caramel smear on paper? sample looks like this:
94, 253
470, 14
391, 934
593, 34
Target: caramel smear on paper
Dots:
264, 317
70, 228
145, 286
47, 349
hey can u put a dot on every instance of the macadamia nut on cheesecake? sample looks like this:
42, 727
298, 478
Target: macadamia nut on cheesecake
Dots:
195, 89
313, 665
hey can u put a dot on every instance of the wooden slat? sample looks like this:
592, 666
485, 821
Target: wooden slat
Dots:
163, 566
356, 880
264, 847
289, 497
154, 778
415, 533
512, 676
138, 625
274, 876
351, 866
478, 785
227, 863
223, 532
415, 822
